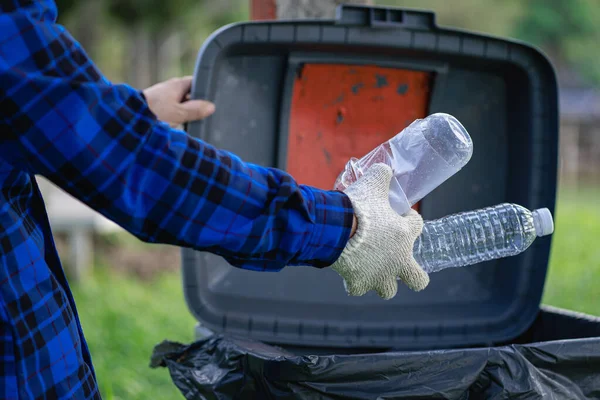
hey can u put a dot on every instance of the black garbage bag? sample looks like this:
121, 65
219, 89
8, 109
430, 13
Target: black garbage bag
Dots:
558, 358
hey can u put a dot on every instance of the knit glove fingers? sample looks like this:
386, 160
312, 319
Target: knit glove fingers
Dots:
411, 272
381, 251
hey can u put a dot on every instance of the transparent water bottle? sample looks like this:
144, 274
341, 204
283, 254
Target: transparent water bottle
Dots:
475, 236
424, 155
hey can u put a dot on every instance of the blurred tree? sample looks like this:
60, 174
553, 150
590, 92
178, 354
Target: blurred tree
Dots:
66, 6
567, 31
153, 15
147, 23
162, 33
82, 19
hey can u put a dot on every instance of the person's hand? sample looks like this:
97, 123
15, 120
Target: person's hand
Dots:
381, 249
169, 101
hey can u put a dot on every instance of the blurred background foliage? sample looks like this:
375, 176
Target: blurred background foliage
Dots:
123, 35
144, 41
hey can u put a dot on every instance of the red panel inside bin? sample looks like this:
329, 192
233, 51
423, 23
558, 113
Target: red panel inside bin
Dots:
344, 111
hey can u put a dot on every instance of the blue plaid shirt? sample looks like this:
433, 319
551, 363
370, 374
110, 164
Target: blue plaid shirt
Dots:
99, 141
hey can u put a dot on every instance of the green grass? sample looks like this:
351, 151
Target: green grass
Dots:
123, 318
573, 277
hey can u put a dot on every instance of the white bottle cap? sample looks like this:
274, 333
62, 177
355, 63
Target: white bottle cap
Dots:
543, 222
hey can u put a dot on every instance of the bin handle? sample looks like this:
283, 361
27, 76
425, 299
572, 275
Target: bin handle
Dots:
384, 17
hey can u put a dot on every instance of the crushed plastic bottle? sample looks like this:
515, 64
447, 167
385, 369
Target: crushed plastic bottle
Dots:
472, 237
422, 156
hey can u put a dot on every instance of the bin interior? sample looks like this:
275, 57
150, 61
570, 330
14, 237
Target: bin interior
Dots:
262, 78
550, 325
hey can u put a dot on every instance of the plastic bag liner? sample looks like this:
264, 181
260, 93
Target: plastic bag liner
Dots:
557, 358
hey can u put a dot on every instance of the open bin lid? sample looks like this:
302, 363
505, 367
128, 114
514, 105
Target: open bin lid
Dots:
263, 78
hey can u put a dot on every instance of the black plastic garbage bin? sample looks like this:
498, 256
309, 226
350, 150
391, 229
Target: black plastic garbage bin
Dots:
301, 335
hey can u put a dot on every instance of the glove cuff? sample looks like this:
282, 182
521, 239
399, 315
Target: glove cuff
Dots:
363, 220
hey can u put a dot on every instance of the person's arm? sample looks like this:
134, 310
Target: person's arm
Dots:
100, 142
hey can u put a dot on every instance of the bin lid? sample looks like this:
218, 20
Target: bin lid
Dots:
264, 79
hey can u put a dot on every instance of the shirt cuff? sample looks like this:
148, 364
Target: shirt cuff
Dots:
332, 216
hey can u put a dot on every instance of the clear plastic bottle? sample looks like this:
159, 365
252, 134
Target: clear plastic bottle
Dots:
422, 156
475, 236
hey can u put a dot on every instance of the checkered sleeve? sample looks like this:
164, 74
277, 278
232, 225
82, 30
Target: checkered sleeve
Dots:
101, 143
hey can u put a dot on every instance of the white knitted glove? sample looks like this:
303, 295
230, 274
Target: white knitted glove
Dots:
381, 250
